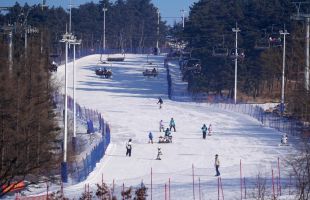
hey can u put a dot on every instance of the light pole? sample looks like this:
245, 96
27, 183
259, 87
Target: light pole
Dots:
67, 38
284, 33
306, 18
157, 42
236, 30
70, 16
183, 17
74, 43
104, 10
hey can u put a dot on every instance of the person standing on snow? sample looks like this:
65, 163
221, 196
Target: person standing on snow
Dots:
217, 165
159, 153
204, 131
284, 139
150, 137
160, 102
128, 148
161, 126
210, 129
172, 124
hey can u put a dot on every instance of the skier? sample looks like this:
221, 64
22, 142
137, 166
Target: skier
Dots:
159, 153
150, 137
172, 124
204, 131
210, 129
160, 102
217, 165
161, 126
128, 148
284, 139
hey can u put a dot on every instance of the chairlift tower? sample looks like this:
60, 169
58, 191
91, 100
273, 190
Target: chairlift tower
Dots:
183, 17
43, 5
157, 42
104, 9
236, 31
67, 38
74, 43
304, 17
284, 33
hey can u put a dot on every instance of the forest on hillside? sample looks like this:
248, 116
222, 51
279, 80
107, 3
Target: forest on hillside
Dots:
208, 32
130, 25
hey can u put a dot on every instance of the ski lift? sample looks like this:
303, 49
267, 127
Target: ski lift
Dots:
220, 50
193, 65
275, 38
240, 54
150, 70
275, 41
262, 43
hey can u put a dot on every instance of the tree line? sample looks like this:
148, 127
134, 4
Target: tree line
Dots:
130, 24
28, 130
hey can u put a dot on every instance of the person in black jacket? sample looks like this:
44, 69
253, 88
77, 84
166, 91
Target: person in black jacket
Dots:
128, 148
160, 102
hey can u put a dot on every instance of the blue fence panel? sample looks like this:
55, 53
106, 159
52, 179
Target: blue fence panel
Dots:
80, 171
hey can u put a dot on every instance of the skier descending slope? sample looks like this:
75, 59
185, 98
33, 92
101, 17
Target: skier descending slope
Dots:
150, 137
160, 102
204, 131
128, 148
217, 165
159, 153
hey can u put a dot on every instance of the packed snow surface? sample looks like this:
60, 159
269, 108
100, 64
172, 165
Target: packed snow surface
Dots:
128, 101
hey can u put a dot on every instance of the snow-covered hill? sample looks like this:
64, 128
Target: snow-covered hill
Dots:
128, 101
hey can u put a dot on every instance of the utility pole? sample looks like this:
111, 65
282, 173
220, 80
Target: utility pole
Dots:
43, 5
74, 43
70, 5
67, 38
236, 30
183, 17
284, 33
157, 42
306, 18
104, 9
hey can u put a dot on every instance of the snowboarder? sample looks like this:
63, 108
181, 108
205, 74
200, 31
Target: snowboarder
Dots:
172, 124
204, 131
210, 129
128, 148
284, 139
217, 165
159, 153
150, 137
160, 102
161, 126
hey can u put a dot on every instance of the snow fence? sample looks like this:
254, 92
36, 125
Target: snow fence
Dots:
93, 120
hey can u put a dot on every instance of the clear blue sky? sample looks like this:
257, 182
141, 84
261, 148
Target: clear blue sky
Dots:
168, 8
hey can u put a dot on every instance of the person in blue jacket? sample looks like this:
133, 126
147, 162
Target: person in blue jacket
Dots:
172, 124
150, 137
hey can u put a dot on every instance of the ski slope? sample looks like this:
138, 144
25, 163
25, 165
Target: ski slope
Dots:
128, 102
